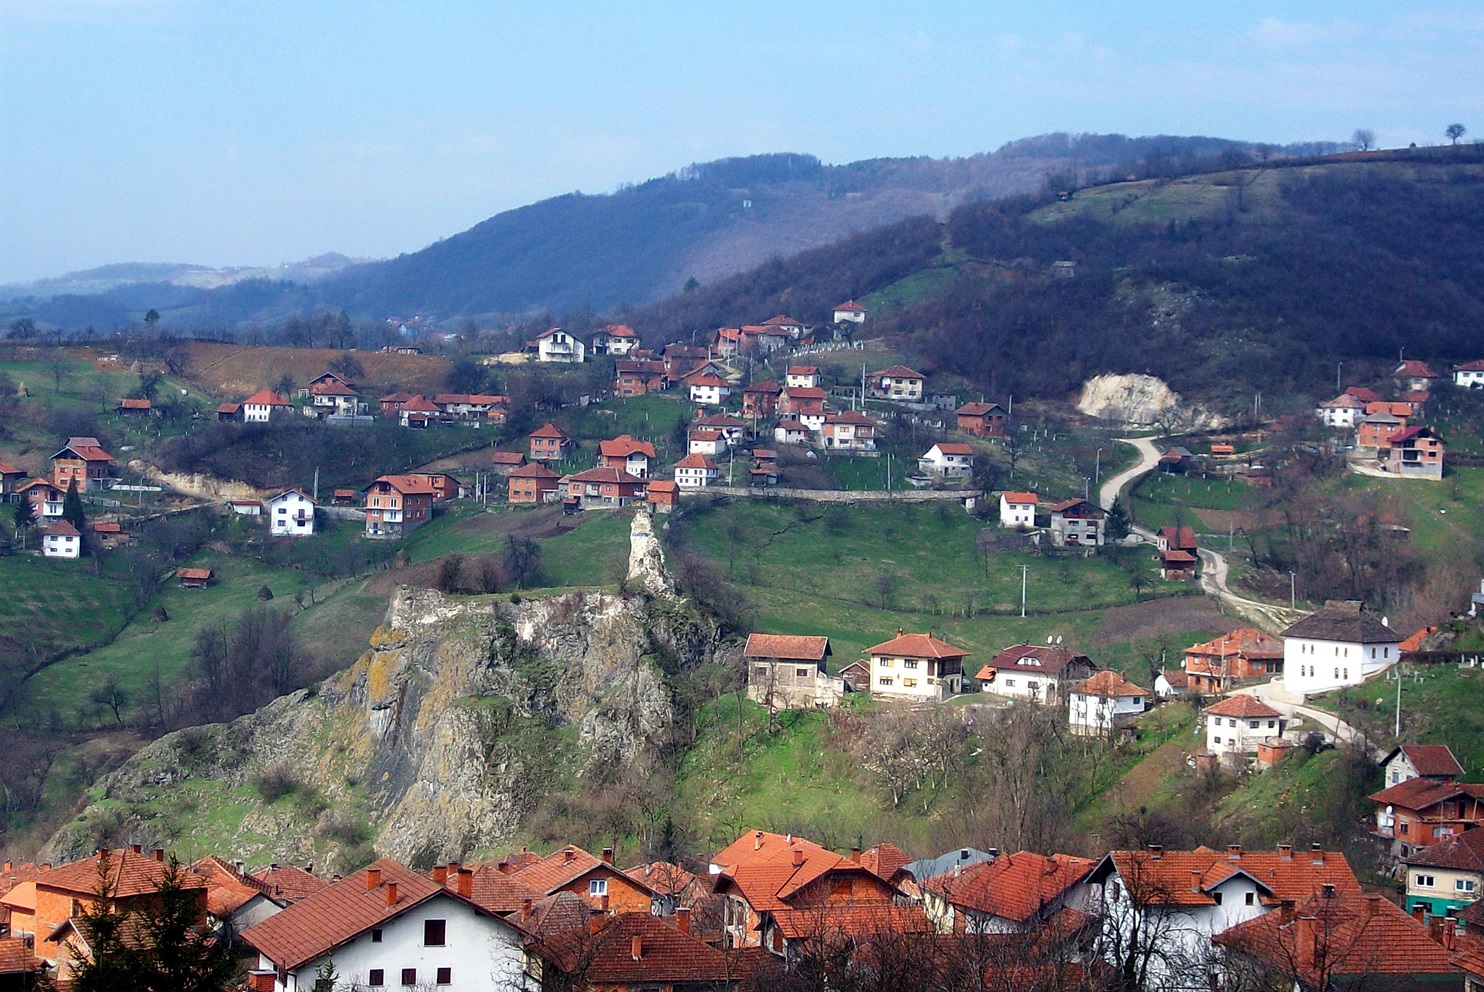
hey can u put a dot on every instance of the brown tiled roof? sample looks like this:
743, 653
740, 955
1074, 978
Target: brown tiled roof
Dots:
850, 305
616, 476
1020, 498
420, 404
761, 865
623, 446
663, 877
1414, 369
1015, 887
708, 379
129, 403
1247, 642
1350, 622
8, 469
897, 372
1421, 793
1461, 852
498, 892
534, 470
1108, 684
856, 417
803, 369
86, 448
410, 485
662, 486
1176, 557
265, 397
702, 434
1185, 878
850, 921
1242, 706
129, 874
17, 958
884, 860
721, 420
287, 883
977, 409
227, 889
560, 868
1329, 940
805, 393
917, 646
790, 646
1430, 760
954, 448
793, 425
548, 430
696, 461
61, 529
1067, 504
1047, 659
666, 954
1177, 678
317, 924
770, 386
507, 458
1178, 537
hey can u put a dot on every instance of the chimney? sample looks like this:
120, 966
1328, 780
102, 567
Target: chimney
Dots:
603, 904
900, 631
391, 893
465, 882
440, 874
46, 866
993, 852
855, 855
7, 866
757, 841
453, 867
137, 849
1195, 880
273, 866
569, 856
1234, 852
607, 855
1285, 852
373, 878
1156, 851
798, 856
159, 854
636, 947
525, 909
682, 919
1419, 913
1285, 911
1308, 938
1316, 853
1372, 904
261, 981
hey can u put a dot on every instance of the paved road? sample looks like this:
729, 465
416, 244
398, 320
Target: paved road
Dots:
1275, 695
1148, 458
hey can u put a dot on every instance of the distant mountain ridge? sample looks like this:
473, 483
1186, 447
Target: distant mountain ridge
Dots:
636, 245
106, 278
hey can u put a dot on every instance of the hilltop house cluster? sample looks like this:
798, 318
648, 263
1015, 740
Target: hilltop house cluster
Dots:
1388, 433
763, 906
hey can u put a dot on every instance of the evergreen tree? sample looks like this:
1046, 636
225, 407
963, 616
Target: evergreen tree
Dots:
1118, 524
72, 510
23, 514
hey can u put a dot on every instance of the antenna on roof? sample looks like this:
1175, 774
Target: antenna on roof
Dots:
1058, 639
1048, 638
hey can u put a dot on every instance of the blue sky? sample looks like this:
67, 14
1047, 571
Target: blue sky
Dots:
257, 132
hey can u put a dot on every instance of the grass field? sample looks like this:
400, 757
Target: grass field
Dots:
54, 605
1161, 498
1439, 706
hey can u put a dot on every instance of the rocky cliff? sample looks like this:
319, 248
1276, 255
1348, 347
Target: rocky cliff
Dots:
438, 741
1142, 401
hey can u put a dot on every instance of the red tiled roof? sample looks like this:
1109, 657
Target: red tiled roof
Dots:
129, 403
410, 485
61, 529
1430, 760
17, 958
129, 874
662, 486
803, 369
1461, 852
86, 448
1020, 498
623, 446
1185, 878
701, 434
696, 461
497, 891
287, 883
400, 396
615, 476
1015, 887
1182, 538
977, 409
1108, 684
1242, 706
620, 331
1477, 365
766, 386
662, 877
1247, 642
548, 430
708, 379
850, 921
227, 889
794, 425
897, 372
954, 448
789, 646
884, 860
1363, 393
1067, 504
8, 469
666, 955
761, 865
1414, 643
534, 470
1177, 678
193, 573
1421, 793
507, 458
917, 646
265, 397
850, 305
1414, 369
805, 393
1345, 401
108, 527
562, 867
855, 417
1177, 557
332, 387
1047, 659
420, 404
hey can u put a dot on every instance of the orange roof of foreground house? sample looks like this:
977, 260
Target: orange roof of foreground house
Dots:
129, 874
420, 404
711, 380
1108, 685
787, 646
563, 867
662, 486
1178, 537
1245, 641
1414, 643
534, 470
288, 883
193, 573
634, 950
265, 397
130, 403
409, 485
1015, 887
884, 860
1242, 706
1186, 878
62, 529
227, 889
341, 911
87, 448
623, 446
917, 646
1020, 499
762, 866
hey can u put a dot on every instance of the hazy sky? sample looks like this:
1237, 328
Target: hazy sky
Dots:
257, 132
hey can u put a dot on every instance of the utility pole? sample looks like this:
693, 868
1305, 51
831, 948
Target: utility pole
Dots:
316, 483
1097, 468
1398, 670
1024, 569
1292, 595
1338, 366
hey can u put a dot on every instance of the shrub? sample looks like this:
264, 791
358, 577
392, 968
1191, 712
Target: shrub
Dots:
275, 782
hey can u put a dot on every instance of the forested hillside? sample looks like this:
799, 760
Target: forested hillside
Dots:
1222, 282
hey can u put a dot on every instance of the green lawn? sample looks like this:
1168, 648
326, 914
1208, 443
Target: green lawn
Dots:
1161, 498
595, 553
1439, 706
55, 605
858, 472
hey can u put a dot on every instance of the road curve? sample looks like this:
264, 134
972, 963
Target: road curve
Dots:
1148, 458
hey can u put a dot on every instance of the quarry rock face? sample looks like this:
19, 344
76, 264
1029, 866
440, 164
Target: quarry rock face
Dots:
1142, 401
415, 750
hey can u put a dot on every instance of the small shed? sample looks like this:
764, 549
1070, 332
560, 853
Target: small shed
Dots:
194, 578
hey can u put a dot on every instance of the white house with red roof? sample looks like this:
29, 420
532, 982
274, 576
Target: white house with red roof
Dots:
789, 431
1415, 375
948, 460
896, 382
616, 340
333, 395
61, 540
291, 514
1104, 702
1408, 761
557, 345
787, 671
851, 432
695, 472
1469, 375
628, 453
851, 311
1239, 723
1077, 523
1018, 510
802, 377
1032, 671
388, 926
1343, 411
916, 666
709, 389
701, 441
264, 406
1016, 893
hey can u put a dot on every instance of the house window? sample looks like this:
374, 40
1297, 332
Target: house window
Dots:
597, 887
445, 976
376, 977
1252, 724
375, 936
409, 976
1250, 899
802, 673
1404, 828
1464, 885
909, 663
1424, 881
1231, 742
1009, 683
909, 683
1216, 898
434, 932
887, 663
888, 680
1272, 724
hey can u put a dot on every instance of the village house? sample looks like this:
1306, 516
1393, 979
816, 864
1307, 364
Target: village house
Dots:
616, 340
1414, 375
1397, 408
760, 400
797, 330
419, 412
287, 884
1018, 510
663, 495
849, 311
532, 483
387, 925
802, 377
591, 878
11, 478
785, 671
291, 514
194, 578
1103, 704
505, 462
695, 472
246, 507
1015, 893
556, 345
638, 376
700, 441
1446, 876
982, 419
850, 432
896, 382
109, 534
1342, 412
46, 499
1376, 430
1421, 812
391, 403
1408, 761
628, 453
82, 462
1034, 672
681, 359
1172, 903
398, 504
674, 887
1177, 566
61, 540
948, 460
264, 406
797, 401
473, 409
445, 486
1177, 459
916, 666
1171, 683
603, 487
1338, 645
232, 897
1413, 453
1238, 724
132, 407
1076, 523
1214, 667
732, 428
790, 431
550, 443
1469, 375
709, 389
331, 395
633, 952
